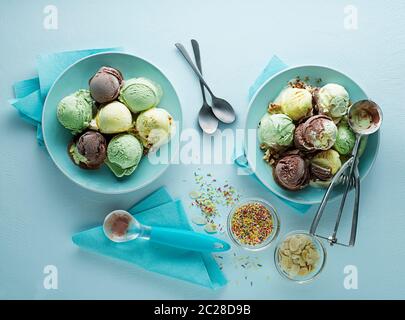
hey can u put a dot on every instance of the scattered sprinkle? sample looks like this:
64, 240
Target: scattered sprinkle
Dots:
246, 262
211, 198
210, 194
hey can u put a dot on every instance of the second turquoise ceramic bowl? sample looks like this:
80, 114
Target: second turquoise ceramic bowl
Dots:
57, 138
319, 76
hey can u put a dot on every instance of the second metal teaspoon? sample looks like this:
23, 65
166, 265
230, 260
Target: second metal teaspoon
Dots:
206, 118
220, 107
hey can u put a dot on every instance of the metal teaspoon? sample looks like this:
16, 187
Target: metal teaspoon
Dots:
220, 107
206, 118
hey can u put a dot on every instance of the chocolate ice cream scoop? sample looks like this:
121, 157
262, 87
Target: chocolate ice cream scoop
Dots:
299, 140
105, 84
89, 151
320, 172
291, 172
316, 133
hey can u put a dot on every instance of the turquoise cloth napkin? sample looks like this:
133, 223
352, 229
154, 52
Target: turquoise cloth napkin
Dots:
158, 209
274, 66
30, 94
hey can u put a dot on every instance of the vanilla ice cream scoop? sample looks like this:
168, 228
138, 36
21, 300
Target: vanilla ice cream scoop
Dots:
295, 102
114, 117
332, 100
155, 127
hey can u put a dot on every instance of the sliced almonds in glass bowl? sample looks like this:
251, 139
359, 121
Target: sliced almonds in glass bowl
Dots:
299, 257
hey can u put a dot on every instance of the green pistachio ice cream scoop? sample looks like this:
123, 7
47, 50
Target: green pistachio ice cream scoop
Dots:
75, 111
276, 130
140, 94
123, 154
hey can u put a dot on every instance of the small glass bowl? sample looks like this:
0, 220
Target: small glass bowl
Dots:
318, 268
272, 235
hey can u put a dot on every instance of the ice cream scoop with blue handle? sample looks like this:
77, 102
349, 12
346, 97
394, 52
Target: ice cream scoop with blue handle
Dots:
121, 226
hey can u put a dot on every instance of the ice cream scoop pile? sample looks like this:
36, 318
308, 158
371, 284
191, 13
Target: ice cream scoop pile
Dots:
305, 135
115, 121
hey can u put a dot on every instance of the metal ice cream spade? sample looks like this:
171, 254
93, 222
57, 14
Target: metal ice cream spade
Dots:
121, 226
365, 118
220, 107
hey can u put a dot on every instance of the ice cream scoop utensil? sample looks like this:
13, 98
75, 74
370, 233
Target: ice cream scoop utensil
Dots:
220, 107
206, 118
121, 226
365, 118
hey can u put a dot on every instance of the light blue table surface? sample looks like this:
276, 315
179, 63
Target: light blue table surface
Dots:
40, 209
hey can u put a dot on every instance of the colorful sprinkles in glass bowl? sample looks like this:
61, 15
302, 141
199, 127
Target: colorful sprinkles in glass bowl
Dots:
253, 224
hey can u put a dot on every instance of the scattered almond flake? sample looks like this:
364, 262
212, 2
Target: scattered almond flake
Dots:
195, 194
199, 220
210, 228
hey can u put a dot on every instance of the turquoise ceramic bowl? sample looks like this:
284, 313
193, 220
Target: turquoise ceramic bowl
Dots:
57, 138
257, 108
